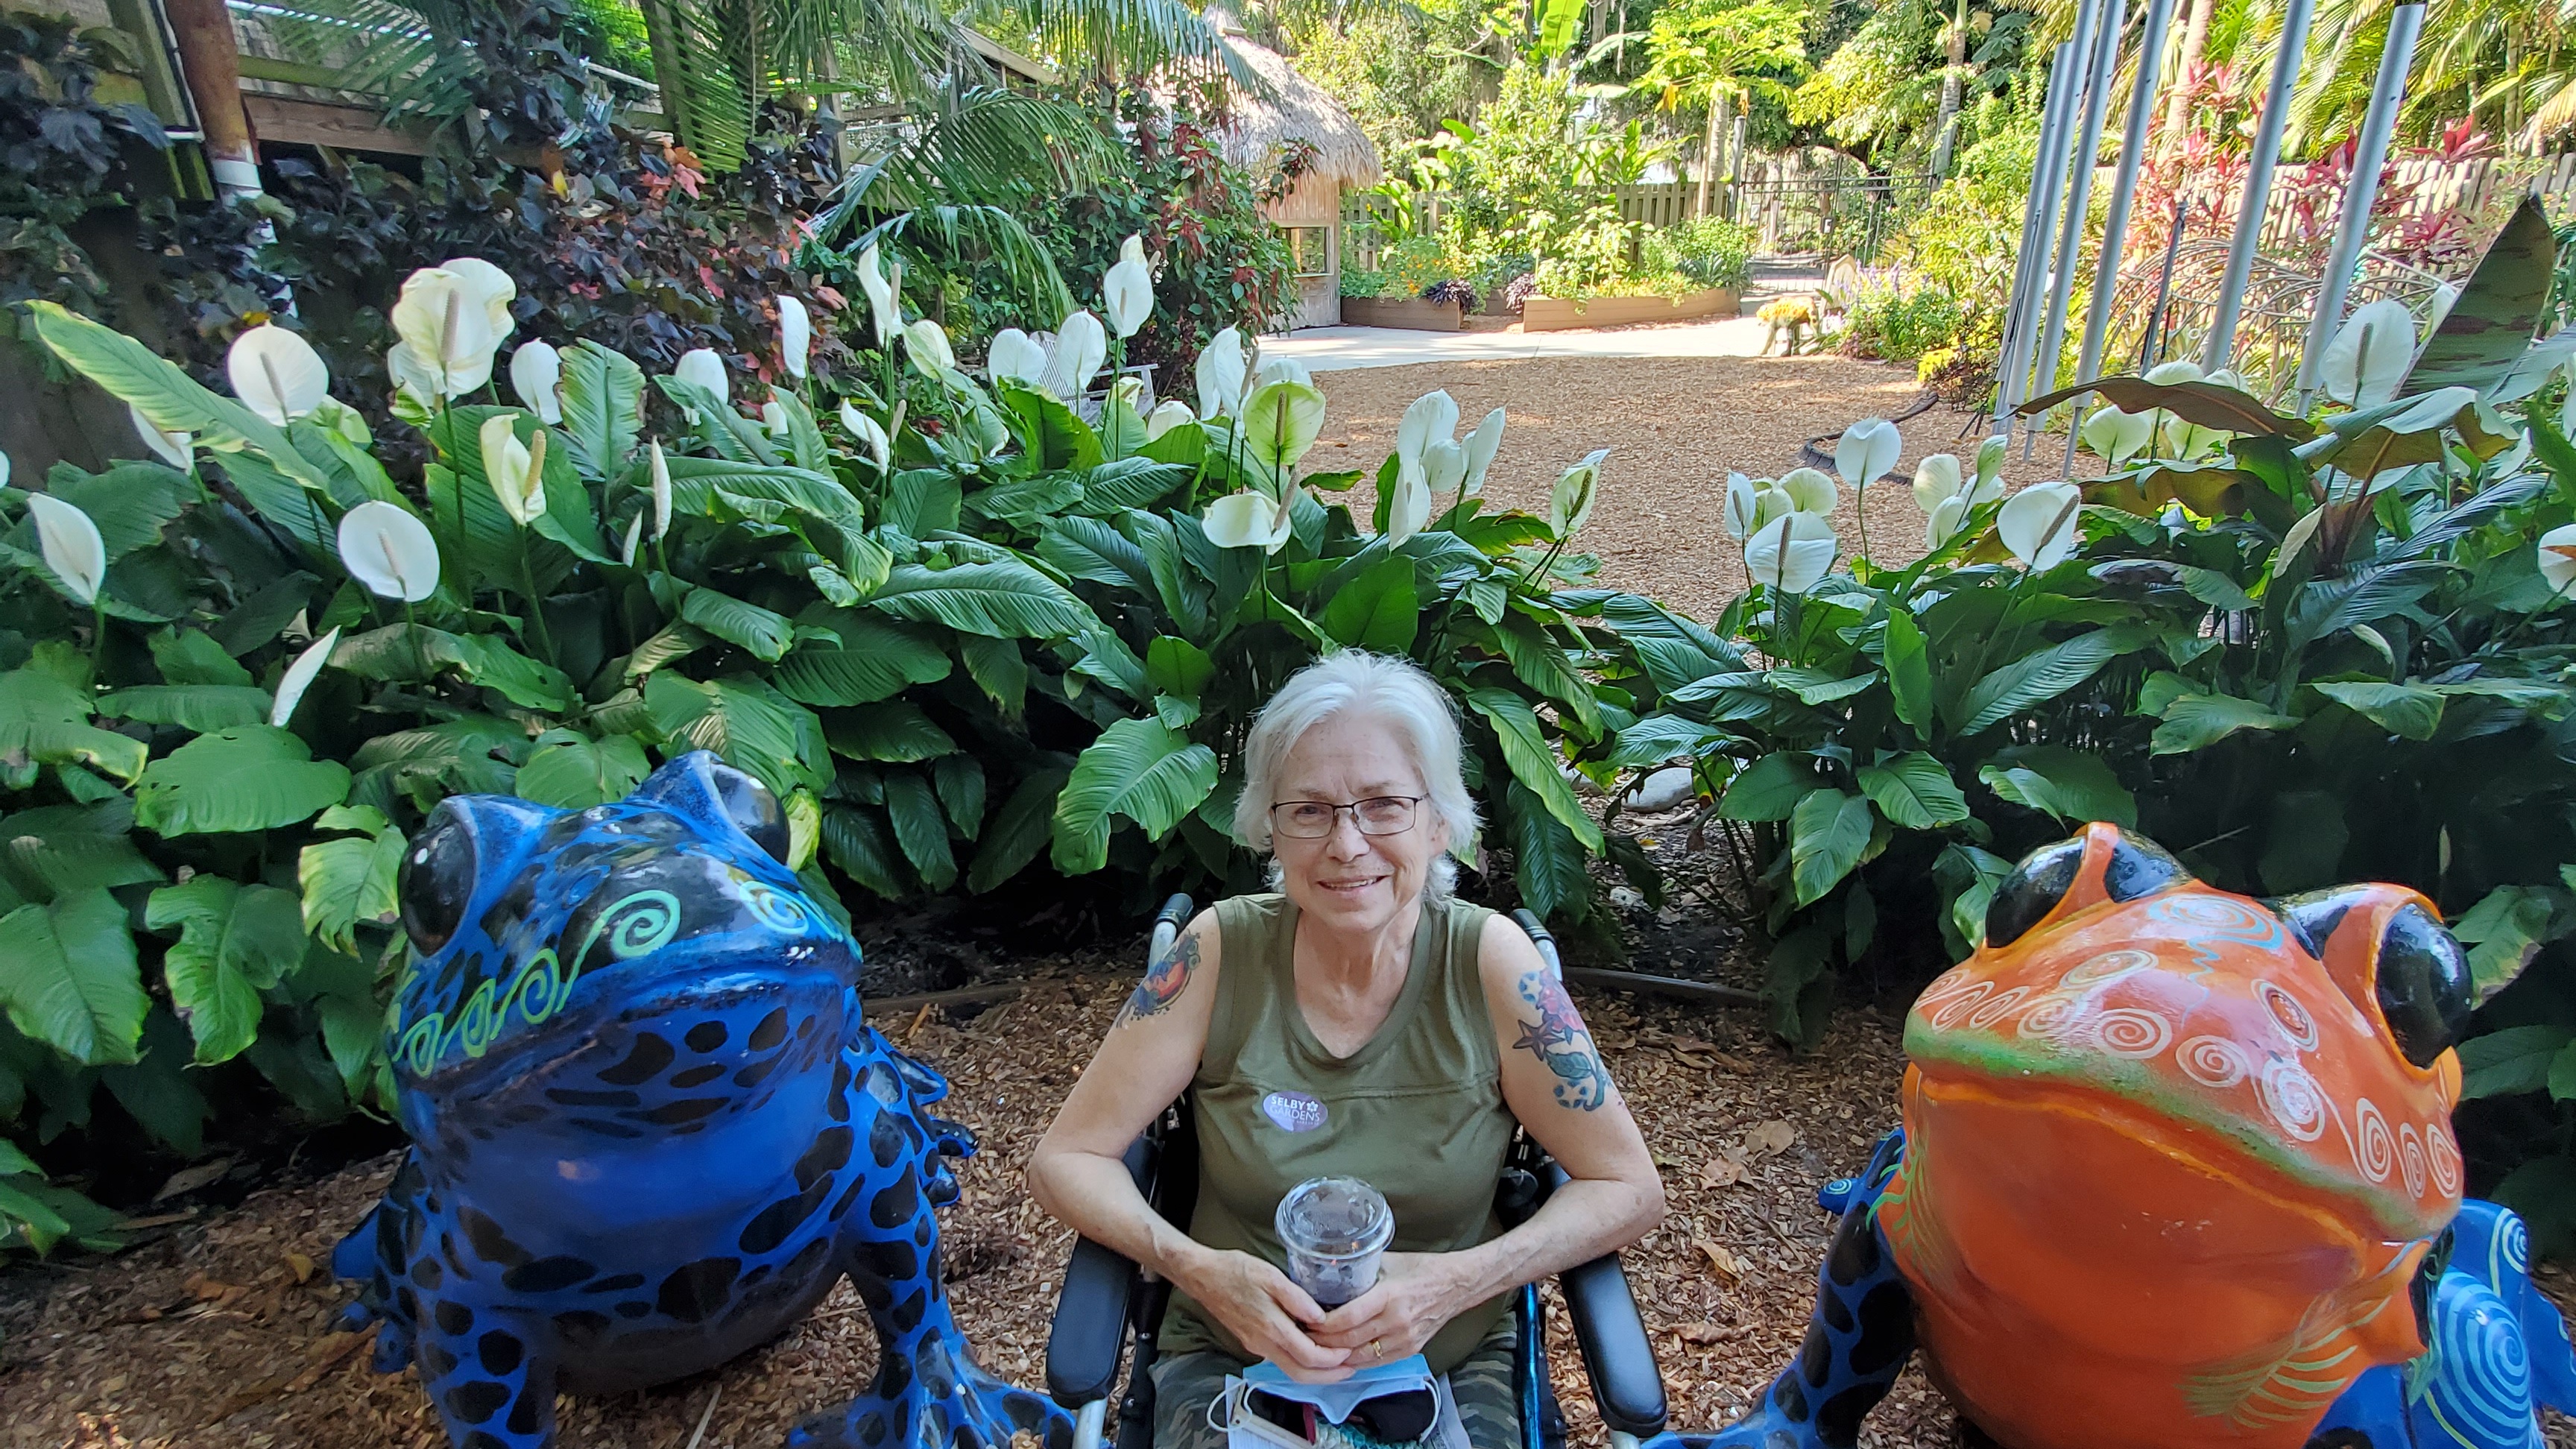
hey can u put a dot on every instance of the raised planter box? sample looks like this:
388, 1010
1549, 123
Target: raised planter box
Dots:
1557, 314
1411, 313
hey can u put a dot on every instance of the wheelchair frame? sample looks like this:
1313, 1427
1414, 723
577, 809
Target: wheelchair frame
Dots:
1110, 1308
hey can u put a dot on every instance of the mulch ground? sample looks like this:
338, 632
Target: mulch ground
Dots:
1674, 427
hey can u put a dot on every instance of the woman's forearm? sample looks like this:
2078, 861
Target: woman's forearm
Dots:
1095, 1197
1579, 1222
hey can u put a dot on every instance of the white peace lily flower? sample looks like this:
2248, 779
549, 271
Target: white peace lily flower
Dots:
1432, 418
1081, 346
885, 294
926, 343
176, 449
1810, 490
1015, 355
1570, 502
444, 319
1168, 414
493, 286
773, 420
1220, 374
2167, 374
700, 367
1482, 445
516, 469
2368, 358
276, 373
1129, 390
1867, 451
1792, 553
1281, 369
299, 677
1743, 508
1444, 466
795, 336
2116, 436
2445, 297
1990, 459
389, 551
1249, 519
536, 371
2558, 557
1408, 508
1944, 522
1770, 502
71, 545
871, 437
2038, 524
2566, 410
634, 535
2188, 441
1127, 292
1280, 421
1935, 478
661, 474
4, 470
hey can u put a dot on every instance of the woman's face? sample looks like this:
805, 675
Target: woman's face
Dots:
1347, 880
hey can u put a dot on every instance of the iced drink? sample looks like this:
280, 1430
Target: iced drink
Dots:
1335, 1230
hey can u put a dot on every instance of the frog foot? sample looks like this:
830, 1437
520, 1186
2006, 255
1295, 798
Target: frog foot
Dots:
948, 1404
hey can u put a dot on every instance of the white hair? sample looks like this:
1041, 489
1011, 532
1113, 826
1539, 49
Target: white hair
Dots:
1392, 691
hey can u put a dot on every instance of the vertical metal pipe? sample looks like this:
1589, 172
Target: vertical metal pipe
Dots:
2124, 190
2258, 186
2387, 94
2034, 229
2079, 196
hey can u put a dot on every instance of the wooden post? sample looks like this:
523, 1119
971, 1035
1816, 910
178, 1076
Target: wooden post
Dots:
212, 68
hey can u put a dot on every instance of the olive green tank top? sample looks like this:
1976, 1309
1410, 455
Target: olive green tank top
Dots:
1417, 1112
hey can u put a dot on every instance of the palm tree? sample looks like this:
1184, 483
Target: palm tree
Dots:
1724, 51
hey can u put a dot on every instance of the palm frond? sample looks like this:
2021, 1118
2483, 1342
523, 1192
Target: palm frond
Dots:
706, 96
977, 146
992, 237
1119, 38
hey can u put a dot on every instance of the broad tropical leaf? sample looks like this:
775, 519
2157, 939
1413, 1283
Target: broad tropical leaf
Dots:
1377, 610
2498, 311
2040, 676
868, 659
748, 725
577, 772
1827, 833
1018, 831
349, 880
920, 827
46, 721
68, 977
760, 632
235, 941
1002, 599
250, 777
2071, 785
1914, 790
1532, 761
603, 409
1137, 768
893, 731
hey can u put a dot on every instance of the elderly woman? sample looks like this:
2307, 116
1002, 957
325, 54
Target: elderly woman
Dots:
1358, 1023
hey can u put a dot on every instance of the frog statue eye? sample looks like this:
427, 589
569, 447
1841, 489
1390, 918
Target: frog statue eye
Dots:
436, 879
754, 810
2423, 985
2135, 868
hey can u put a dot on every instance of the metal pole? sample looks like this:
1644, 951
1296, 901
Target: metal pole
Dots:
2124, 190
2387, 93
2034, 225
2079, 198
2258, 186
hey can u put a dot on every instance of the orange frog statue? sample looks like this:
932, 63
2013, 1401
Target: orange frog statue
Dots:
2177, 1171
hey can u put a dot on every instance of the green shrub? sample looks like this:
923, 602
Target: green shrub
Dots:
1412, 265
1710, 252
1901, 320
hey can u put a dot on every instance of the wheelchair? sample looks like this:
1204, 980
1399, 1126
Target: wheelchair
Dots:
1109, 1307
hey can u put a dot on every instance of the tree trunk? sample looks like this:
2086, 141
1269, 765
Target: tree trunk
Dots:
1953, 79
1708, 159
2195, 43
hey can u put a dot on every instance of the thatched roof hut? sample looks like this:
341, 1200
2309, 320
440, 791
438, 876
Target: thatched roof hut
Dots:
1297, 109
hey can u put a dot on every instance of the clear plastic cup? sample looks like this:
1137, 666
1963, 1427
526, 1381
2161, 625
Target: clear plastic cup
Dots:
1335, 1230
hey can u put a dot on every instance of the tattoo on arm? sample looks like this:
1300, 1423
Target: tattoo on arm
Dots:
1165, 978
1560, 1040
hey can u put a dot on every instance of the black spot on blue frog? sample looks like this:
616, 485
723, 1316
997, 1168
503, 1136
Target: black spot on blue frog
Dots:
650, 1129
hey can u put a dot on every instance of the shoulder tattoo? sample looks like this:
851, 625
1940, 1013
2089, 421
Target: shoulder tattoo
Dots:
1560, 1040
1165, 978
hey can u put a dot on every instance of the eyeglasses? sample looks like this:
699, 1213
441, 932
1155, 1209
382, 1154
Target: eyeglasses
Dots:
1314, 819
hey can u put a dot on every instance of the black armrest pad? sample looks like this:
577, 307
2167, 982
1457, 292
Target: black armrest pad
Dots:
1090, 1329
1625, 1382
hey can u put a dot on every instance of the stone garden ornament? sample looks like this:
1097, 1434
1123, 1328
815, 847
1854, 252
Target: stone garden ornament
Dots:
2177, 1170
650, 1129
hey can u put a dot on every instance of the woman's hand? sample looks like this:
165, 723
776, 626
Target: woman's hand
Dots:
1268, 1314
1416, 1294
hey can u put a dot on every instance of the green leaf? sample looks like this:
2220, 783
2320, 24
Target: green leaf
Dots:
1827, 833
56, 849
1818, 686
893, 731
14, 1162
1003, 599
2516, 1059
1539, 662
575, 774
1131, 483
2503, 932
191, 656
409, 653
854, 841
2497, 312
603, 409
1532, 761
1915, 791
999, 669
1970, 877
1909, 671
1017, 832
68, 977
804, 440
1087, 548
920, 828
2303, 848
1662, 737
765, 634
1768, 789
1107, 658
348, 882
1047, 429
2197, 721
2074, 786
2202, 404
2408, 710
959, 779
44, 720
1548, 863
157, 388
197, 707
1798, 984
2040, 676
235, 941
745, 723
1137, 768
1377, 610
871, 658
131, 502
1178, 667
922, 503
251, 777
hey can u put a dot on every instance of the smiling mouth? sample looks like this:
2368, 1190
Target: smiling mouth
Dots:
1351, 887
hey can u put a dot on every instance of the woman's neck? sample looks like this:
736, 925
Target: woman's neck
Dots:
1353, 961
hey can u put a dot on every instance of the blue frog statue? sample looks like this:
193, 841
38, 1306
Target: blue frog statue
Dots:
650, 1129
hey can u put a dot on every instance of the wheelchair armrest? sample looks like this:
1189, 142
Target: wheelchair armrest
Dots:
1090, 1329
1616, 1355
